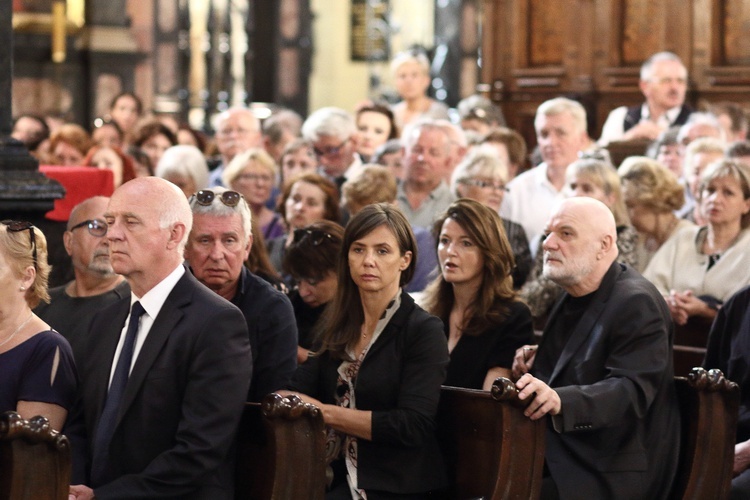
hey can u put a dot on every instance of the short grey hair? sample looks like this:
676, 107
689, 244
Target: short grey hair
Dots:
217, 208
481, 161
560, 105
184, 161
413, 130
701, 118
648, 66
224, 116
410, 56
331, 121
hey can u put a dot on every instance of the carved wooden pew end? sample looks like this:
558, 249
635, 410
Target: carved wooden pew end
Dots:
34, 459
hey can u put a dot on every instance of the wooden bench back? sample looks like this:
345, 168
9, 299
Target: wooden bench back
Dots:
709, 405
493, 451
34, 459
281, 450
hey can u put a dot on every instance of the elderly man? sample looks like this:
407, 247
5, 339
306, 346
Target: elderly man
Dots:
217, 248
333, 134
560, 125
237, 130
663, 84
424, 194
96, 285
166, 371
603, 371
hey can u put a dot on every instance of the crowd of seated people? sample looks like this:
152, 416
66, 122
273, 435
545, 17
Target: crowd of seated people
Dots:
348, 223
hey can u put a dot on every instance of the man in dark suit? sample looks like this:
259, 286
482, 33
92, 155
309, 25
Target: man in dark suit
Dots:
217, 248
166, 370
603, 371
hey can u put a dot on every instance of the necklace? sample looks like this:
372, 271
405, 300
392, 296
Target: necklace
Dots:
16, 330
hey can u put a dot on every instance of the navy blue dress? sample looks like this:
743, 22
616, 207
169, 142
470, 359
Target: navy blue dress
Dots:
41, 369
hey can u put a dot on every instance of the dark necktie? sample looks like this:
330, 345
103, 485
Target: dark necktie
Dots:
106, 426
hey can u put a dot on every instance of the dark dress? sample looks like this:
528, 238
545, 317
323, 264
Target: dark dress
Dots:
26, 372
474, 355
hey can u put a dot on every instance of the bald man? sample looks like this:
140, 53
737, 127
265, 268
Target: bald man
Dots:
166, 369
603, 371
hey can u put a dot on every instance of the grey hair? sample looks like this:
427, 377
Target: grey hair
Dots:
648, 66
224, 116
480, 161
218, 209
413, 130
700, 118
410, 56
331, 121
185, 161
560, 105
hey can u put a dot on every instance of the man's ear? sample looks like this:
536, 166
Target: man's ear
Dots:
607, 243
68, 242
176, 234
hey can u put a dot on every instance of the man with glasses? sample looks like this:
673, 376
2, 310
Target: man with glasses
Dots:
333, 134
237, 130
96, 285
217, 248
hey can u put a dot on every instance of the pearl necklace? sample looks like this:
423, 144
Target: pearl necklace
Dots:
16, 330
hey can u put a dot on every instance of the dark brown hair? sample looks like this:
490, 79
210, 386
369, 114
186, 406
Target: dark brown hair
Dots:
332, 210
308, 259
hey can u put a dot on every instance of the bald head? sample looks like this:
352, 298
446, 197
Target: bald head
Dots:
90, 208
149, 219
580, 245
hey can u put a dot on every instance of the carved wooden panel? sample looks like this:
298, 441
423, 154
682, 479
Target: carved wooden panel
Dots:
736, 36
641, 30
547, 34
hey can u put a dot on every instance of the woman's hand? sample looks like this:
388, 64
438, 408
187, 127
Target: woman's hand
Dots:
686, 305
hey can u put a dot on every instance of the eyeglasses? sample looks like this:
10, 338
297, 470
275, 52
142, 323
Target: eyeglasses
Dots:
205, 197
485, 184
95, 227
254, 178
316, 236
332, 150
15, 226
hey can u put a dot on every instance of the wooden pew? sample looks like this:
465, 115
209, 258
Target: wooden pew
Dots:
492, 450
34, 459
709, 405
690, 342
281, 450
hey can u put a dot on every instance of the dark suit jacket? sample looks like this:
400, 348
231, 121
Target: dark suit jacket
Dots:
273, 334
399, 380
618, 434
183, 401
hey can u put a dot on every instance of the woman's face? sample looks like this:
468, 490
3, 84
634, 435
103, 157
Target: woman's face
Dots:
394, 162
582, 185
411, 80
255, 183
694, 170
184, 182
374, 129
67, 155
376, 263
487, 190
316, 293
461, 260
298, 162
125, 112
641, 217
305, 205
723, 202
671, 157
186, 138
106, 158
155, 146
107, 136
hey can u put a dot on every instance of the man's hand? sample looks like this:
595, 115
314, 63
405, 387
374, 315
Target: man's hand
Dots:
545, 399
523, 360
80, 492
643, 130
741, 457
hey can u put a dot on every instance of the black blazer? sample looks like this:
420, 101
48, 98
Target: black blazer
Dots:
618, 434
399, 381
183, 401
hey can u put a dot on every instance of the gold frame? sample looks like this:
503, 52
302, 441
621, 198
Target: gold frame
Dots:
43, 22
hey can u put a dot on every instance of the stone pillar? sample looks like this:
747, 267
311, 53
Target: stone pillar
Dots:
24, 192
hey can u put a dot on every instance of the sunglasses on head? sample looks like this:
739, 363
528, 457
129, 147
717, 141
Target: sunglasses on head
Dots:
316, 236
95, 227
16, 226
205, 197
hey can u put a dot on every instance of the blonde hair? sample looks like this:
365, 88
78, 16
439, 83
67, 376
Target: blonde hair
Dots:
649, 183
372, 184
605, 176
241, 161
18, 251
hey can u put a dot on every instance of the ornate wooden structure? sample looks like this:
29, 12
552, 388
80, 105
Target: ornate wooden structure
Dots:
493, 450
34, 459
592, 50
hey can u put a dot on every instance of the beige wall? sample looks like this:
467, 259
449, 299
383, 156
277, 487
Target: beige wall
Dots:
338, 81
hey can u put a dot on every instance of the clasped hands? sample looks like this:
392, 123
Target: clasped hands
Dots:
542, 398
683, 305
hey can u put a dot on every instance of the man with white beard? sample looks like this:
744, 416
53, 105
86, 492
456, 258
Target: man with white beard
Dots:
95, 285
